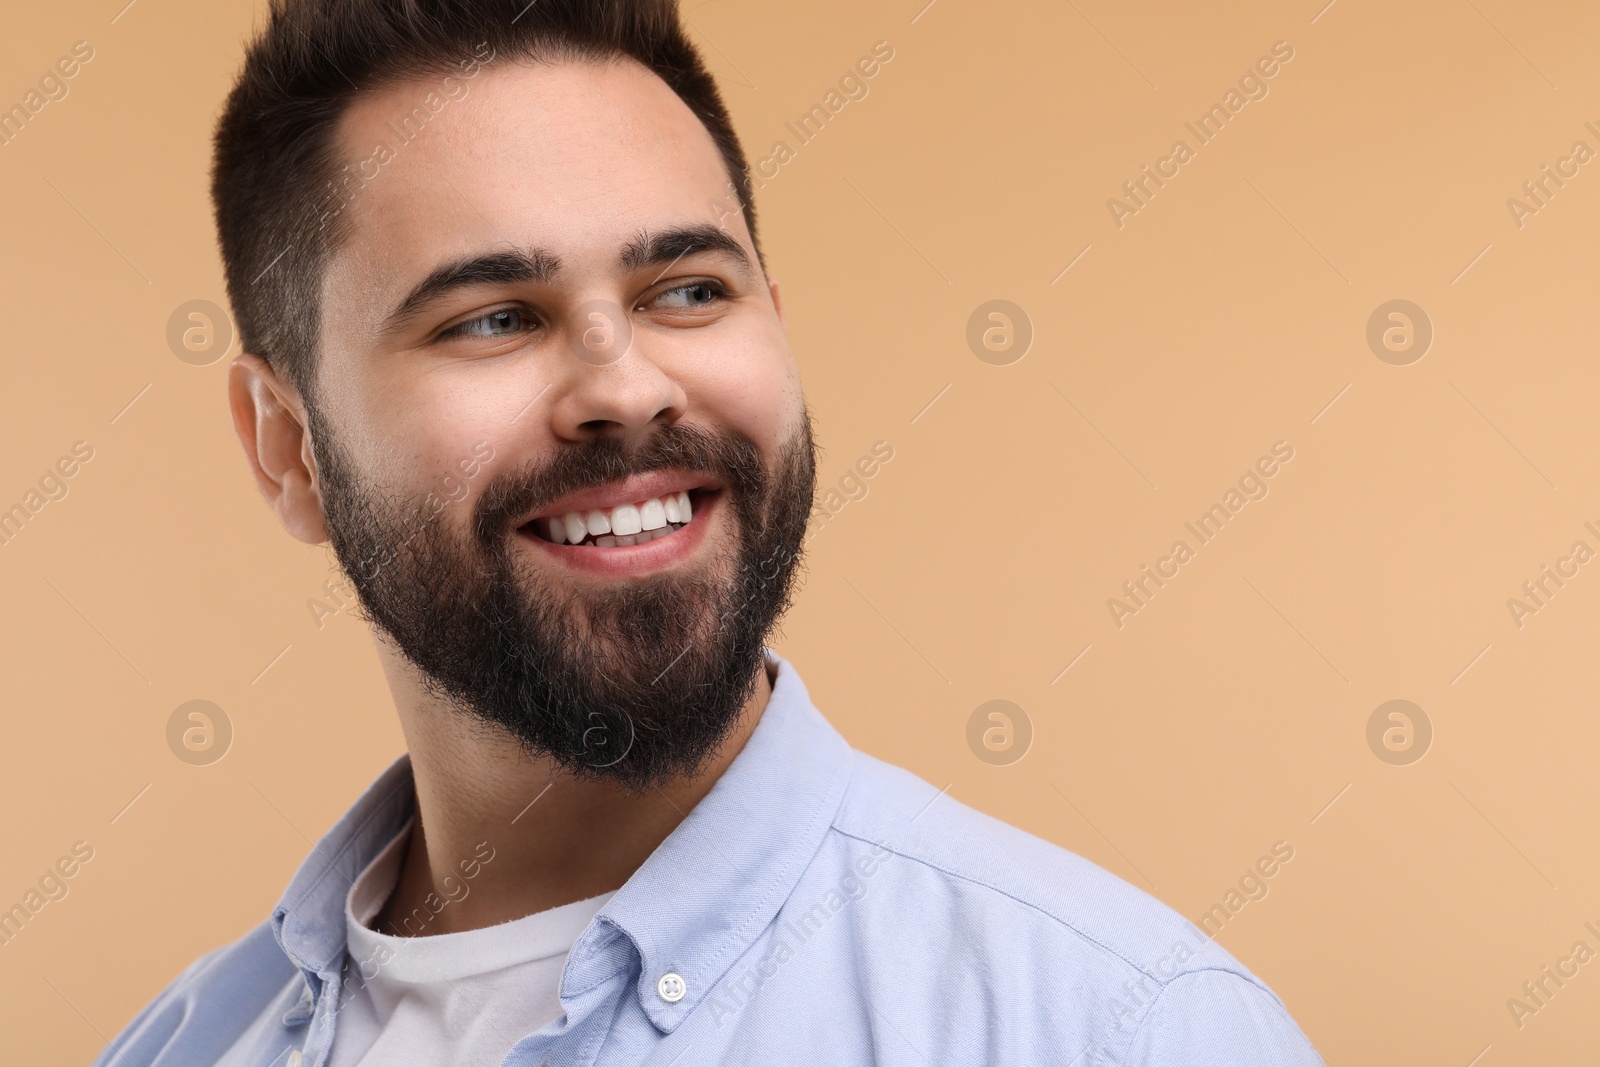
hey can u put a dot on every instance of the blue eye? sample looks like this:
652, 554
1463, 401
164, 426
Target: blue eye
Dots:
695, 294
495, 324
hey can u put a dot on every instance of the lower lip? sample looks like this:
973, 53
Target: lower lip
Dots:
623, 561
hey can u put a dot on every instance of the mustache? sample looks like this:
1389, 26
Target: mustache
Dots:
729, 456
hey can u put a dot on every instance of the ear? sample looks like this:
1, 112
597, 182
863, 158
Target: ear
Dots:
270, 420
777, 302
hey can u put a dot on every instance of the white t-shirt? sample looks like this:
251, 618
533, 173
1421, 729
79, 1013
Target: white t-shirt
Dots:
464, 998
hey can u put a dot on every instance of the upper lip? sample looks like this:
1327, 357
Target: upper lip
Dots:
630, 490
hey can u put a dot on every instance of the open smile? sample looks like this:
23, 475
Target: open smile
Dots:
640, 524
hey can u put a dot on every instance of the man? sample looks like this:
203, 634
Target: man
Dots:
513, 350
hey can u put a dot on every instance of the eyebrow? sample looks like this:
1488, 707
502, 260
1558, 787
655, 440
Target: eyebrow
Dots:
672, 244
490, 268
643, 250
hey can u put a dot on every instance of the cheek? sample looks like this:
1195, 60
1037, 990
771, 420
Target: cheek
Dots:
753, 386
422, 437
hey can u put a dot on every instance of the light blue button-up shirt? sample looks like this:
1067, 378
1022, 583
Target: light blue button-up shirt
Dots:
818, 906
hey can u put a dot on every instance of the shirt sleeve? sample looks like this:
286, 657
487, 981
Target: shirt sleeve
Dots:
1216, 1018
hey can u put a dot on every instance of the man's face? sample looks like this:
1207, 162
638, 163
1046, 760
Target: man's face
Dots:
549, 309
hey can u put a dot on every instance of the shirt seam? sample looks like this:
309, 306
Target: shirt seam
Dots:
1150, 1008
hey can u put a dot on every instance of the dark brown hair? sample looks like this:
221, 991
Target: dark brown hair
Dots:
273, 181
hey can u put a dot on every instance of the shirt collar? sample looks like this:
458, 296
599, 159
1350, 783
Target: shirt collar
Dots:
692, 909
309, 919
718, 880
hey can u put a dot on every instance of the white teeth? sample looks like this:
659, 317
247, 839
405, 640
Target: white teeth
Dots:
606, 542
625, 520
573, 523
641, 522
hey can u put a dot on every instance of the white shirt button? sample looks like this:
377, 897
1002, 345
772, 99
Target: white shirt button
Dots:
294, 1058
671, 987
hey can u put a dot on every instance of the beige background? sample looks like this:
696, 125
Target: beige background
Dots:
1229, 313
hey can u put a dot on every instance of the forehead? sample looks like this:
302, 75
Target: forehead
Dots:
573, 156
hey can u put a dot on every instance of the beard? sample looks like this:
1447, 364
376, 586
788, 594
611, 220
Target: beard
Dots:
635, 681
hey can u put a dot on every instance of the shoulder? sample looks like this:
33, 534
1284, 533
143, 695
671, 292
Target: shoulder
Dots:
1032, 916
207, 1007
1043, 884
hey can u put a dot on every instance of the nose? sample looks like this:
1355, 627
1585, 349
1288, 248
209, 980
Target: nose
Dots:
609, 383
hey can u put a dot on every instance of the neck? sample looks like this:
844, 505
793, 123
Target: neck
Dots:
500, 835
